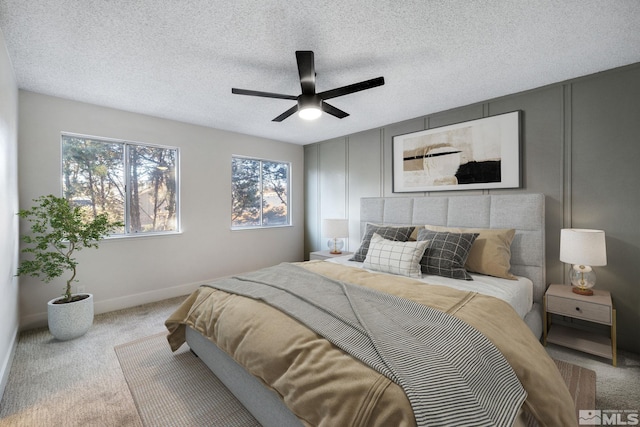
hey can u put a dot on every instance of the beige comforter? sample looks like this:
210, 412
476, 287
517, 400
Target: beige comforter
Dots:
324, 386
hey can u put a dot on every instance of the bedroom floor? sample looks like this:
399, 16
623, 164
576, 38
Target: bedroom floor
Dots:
79, 382
617, 388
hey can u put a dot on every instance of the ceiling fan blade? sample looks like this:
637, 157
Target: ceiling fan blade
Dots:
307, 71
330, 109
286, 114
263, 94
356, 87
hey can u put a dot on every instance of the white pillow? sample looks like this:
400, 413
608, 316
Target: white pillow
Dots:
389, 256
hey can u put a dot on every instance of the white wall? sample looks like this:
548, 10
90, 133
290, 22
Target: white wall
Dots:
8, 209
131, 271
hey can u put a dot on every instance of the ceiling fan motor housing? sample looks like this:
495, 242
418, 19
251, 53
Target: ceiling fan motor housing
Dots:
309, 101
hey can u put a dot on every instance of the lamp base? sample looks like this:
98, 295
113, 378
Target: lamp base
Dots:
335, 245
582, 291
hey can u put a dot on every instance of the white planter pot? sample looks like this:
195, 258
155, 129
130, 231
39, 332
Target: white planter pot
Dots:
71, 320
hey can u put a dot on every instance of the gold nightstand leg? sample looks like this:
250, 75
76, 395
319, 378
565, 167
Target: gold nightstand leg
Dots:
614, 347
545, 324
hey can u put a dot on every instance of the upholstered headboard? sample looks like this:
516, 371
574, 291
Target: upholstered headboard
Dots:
522, 212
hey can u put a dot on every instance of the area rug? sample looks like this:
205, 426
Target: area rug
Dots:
177, 389
581, 383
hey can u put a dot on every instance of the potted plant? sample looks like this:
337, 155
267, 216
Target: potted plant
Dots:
58, 230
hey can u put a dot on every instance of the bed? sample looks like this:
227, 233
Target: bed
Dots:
310, 378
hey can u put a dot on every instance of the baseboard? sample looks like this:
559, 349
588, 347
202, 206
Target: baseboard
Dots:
144, 297
5, 368
38, 320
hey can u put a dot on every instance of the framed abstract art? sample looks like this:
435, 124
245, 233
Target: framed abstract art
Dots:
479, 154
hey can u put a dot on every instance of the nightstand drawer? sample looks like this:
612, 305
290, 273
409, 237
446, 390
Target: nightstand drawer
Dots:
592, 312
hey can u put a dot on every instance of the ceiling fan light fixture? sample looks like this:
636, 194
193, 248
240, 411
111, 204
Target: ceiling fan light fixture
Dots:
309, 107
310, 113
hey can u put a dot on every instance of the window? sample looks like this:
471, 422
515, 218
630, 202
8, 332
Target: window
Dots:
260, 193
133, 183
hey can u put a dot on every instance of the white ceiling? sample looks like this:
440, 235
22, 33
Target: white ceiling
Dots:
179, 59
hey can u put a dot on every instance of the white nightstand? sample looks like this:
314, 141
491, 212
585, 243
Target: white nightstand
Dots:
597, 308
322, 255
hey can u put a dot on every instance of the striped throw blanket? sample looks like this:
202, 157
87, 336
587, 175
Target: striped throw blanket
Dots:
451, 374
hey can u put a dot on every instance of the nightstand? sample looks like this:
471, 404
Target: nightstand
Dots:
597, 308
322, 255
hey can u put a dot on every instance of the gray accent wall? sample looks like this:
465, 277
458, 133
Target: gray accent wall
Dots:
580, 148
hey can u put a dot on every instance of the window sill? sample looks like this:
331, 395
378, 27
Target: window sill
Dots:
142, 235
260, 228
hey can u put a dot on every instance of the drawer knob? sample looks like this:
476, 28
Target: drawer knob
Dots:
577, 308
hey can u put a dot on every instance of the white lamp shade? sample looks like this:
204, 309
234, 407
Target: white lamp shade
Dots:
583, 247
335, 228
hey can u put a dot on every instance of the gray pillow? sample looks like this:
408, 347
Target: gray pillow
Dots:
399, 234
446, 253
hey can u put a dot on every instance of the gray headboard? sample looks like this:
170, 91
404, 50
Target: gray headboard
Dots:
523, 212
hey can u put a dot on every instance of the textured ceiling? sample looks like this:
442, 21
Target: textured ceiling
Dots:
179, 59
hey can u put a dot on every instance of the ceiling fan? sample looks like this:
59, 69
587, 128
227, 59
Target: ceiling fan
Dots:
311, 104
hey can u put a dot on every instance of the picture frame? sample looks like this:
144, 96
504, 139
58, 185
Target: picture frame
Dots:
477, 154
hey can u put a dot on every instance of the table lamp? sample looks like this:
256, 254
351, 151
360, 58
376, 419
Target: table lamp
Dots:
336, 230
584, 249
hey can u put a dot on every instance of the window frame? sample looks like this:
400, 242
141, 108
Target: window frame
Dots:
262, 226
127, 181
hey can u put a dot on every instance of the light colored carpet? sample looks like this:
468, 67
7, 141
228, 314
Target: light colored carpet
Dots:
177, 389
80, 383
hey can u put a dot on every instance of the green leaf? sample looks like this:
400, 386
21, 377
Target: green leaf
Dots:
57, 230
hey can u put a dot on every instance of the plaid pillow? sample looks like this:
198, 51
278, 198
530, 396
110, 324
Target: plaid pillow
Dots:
490, 253
446, 253
401, 258
399, 234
